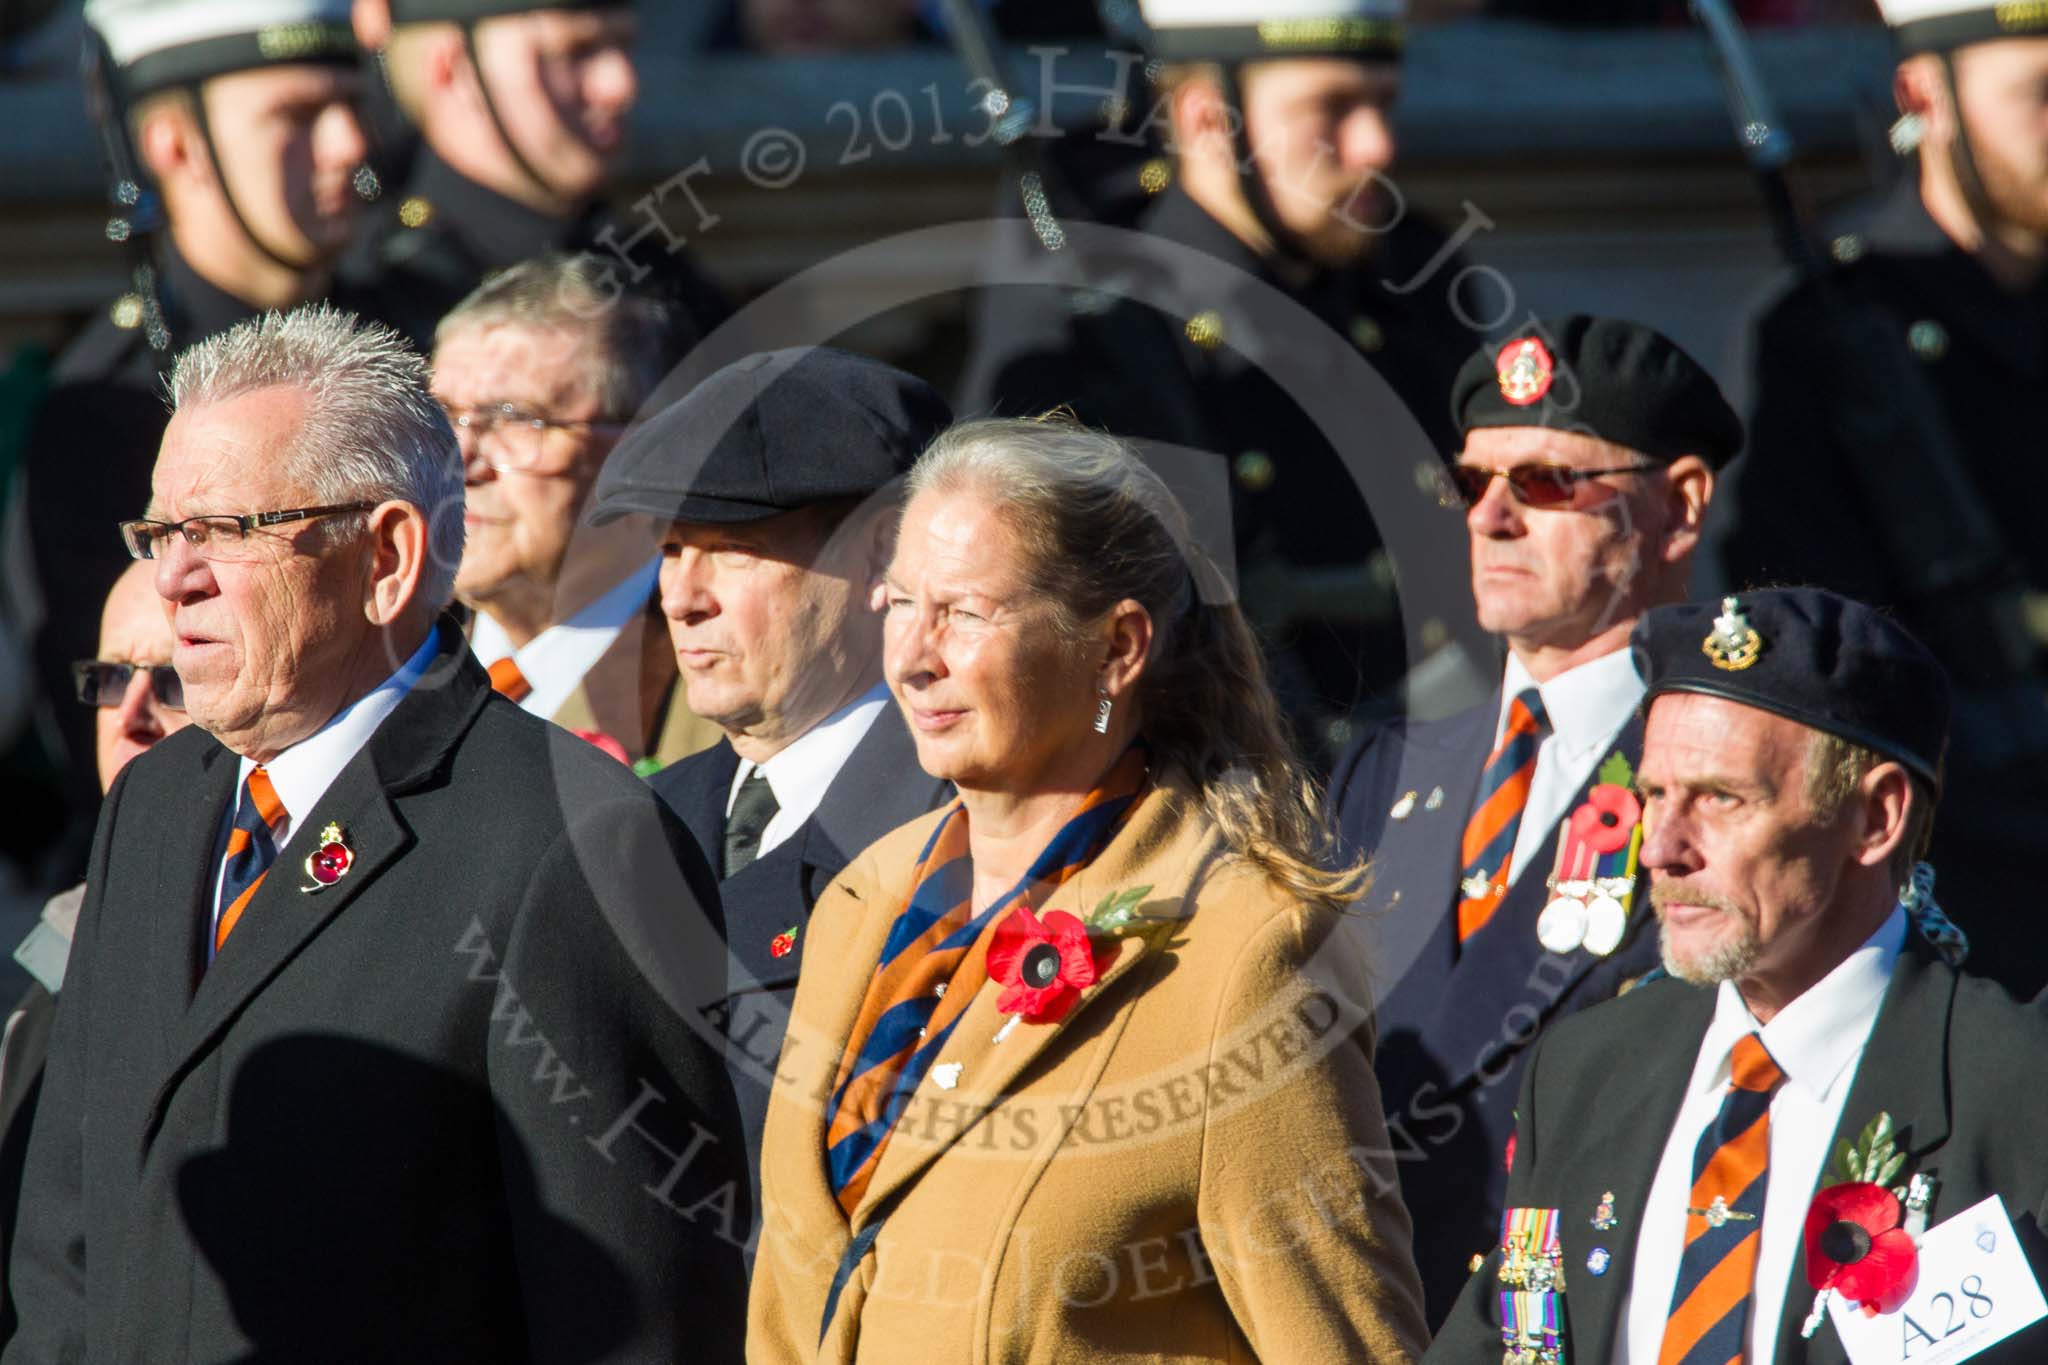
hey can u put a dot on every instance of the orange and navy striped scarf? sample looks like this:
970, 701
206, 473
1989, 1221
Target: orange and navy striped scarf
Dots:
932, 968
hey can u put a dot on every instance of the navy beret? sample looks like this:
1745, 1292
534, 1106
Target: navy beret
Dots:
1810, 655
770, 434
1605, 377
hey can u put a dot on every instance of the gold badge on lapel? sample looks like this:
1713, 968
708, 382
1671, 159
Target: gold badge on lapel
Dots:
330, 862
1733, 644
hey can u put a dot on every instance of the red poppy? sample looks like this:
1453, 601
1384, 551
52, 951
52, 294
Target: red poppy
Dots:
783, 944
606, 743
1855, 1246
1507, 1159
1608, 819
329, 862
1044, 965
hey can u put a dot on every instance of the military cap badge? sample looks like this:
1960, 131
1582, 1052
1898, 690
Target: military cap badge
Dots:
1526, 371
1733, 644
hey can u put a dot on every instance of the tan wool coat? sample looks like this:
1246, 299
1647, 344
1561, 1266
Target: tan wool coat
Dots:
1191, 1166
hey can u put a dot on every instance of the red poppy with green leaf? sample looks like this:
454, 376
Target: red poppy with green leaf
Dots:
1855, 1244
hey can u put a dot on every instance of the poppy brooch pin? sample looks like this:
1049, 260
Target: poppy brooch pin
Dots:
1862, 1236
1043, 965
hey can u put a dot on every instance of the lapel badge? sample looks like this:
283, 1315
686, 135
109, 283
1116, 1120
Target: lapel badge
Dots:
1598, 1260
1403, 808
946, 1075
1436, 799
784, 943
330, 862
1526, 371
1733, 645
1603, 1213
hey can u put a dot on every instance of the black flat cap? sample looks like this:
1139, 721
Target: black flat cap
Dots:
770, 434
1810, 655
1605, 377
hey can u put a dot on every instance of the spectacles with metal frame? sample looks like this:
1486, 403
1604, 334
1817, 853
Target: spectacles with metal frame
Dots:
142, 536
519, 448
1534, 484
103, 682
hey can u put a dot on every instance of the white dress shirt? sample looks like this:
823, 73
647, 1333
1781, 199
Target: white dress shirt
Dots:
1817, 1041
302, 774
1587, 707
800, 774
554, 661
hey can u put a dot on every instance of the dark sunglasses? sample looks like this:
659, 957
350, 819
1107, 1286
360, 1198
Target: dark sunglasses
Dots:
105, 684
1534, 485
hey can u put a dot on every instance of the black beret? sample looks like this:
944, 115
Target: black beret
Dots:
1605, 377
770, 434
1810, 655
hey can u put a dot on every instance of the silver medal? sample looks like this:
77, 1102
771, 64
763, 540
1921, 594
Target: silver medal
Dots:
1561, 927
1605, 922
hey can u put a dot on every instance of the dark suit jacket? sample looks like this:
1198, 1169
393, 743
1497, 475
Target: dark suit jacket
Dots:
1455, 1024
1953, 1060
445, 1109
880, 787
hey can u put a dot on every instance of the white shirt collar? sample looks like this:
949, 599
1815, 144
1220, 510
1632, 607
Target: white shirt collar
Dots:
302, 774
554, 661
802, 772
1581, 703
1815, 1037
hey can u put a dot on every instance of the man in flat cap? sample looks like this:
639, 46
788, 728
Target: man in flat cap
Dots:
1892, 392
372, 1043
540, 369
778, 480
1277, 195
521, 108
234, 126
1504, 838
1818, 1087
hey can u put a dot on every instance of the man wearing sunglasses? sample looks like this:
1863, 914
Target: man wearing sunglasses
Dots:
369, 1046
1505, 837
539, 370
136, 700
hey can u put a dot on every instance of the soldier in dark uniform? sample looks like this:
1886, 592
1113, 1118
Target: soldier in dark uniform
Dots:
243, 119
1311, 219
1919, 489
521, 111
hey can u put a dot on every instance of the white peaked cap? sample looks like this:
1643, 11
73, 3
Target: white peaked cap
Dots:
1942, 25
158, 43
1247, 30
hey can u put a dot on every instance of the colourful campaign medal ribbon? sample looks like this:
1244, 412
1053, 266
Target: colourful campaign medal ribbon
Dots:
1593, 882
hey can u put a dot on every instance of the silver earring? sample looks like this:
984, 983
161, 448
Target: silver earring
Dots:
1103, 706
1907, 133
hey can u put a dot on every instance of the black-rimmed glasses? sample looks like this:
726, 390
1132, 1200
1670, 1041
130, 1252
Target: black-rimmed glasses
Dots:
142, 536
1534, 484
101, 682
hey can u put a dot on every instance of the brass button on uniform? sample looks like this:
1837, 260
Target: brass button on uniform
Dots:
127, 312
1205, 329
1929, 339
1847, 249
1367, 335
416, 211
1155, 175
1254, 470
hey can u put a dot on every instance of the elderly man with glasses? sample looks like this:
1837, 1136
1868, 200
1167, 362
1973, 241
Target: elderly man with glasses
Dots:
371, 1045
1504, 839
539, 370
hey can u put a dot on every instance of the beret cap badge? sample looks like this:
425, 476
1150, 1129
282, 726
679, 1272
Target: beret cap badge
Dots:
1733, 644
1526, 371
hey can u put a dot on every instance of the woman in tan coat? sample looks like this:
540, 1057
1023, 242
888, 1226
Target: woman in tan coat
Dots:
1080, 1067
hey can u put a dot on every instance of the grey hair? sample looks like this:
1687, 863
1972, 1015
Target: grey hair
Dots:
1098, 526
638, 339
373, 432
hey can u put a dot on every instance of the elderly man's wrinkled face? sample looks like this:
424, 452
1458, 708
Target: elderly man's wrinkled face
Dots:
1557, 576
524, 488
1741, 866
770, 619
133, 631
270, 631
996, 696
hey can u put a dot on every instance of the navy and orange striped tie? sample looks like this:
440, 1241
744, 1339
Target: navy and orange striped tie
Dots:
1709, 1322
1489, 843
252, 848
508, 682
